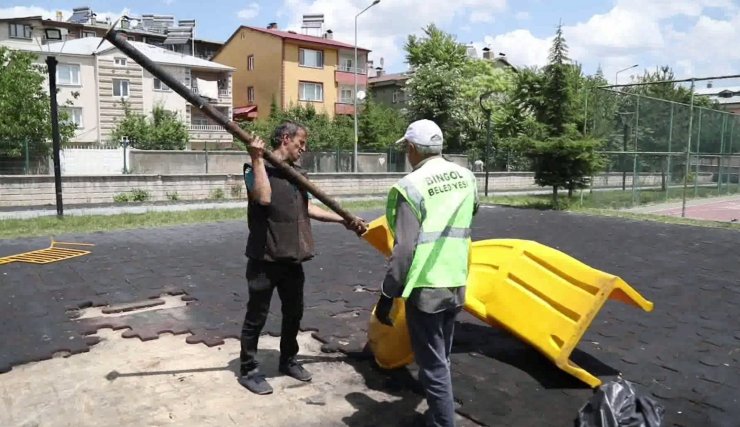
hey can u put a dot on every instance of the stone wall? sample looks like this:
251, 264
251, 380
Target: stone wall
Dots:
38, 190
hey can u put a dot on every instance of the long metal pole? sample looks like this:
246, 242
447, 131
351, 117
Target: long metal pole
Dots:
27, 164
635, 175
688, 152
488, 144
698, 154
670, 141
721, 153
585, 113
356, 66
51, 63
354, 100
124, 46
729, 166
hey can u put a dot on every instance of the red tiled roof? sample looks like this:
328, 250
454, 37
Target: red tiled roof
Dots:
305, 38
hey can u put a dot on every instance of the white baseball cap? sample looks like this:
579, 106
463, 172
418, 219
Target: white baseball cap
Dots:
423, 132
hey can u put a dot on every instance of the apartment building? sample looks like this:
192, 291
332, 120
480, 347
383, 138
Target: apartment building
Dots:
158, 30
97, 81
291, 69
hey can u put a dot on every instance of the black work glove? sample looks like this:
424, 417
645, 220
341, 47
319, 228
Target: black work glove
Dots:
383, 310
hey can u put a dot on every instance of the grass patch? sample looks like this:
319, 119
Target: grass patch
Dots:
666, 219
611, 203
52, 226
612, 199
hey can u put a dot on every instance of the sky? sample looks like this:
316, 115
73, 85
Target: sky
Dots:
696, 38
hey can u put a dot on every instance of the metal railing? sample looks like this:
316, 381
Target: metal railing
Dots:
207, 128
347, 69
224, 93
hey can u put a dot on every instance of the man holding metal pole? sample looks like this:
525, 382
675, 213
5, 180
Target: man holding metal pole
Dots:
279, 219
280, 240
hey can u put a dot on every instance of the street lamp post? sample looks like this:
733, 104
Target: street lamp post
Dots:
51, 64
486, 110
354, 98
616, 76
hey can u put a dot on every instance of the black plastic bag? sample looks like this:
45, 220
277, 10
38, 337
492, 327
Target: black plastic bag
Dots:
618, 404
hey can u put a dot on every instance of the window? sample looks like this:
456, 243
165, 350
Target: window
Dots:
311, 92
120, 88
398, 96
311, 58
345, 64
250, 62
20, 31
88, 34
345, 95
68, 74
158, 85
74, 115
250, 94
121, 62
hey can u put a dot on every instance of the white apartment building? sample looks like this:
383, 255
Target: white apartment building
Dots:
97, 79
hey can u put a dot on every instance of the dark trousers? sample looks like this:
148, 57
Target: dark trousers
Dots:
431, 340
262, 278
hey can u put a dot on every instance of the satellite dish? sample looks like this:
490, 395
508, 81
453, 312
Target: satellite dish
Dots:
361, 95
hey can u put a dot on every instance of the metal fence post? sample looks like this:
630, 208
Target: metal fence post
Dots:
27, 165
670, 150
635, 176
698, 159
721, 154
688, 150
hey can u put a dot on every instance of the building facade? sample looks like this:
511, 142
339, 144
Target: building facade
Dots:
388, 89
96, 83
287, 68
158, 30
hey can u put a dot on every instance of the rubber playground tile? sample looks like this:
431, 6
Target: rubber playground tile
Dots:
498, 379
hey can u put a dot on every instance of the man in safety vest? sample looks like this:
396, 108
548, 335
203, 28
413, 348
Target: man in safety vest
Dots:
429, 214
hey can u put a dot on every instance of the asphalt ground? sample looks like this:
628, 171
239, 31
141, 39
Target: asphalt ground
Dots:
685, 353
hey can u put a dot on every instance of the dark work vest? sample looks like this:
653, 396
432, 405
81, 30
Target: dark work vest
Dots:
281, 231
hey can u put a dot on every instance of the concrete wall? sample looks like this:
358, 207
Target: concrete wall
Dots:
110, 162
34, 190
88, 161
39, 190
187, 162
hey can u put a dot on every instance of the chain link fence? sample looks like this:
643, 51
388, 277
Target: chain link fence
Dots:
657, 150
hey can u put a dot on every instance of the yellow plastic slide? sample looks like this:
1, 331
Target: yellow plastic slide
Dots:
541, 295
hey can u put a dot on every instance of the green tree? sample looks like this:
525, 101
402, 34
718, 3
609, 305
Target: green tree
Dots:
437, 47
434, 94
379, 126
167, 131
25, 110
562, 157
566, 161
556, 87
162, 131
446, 87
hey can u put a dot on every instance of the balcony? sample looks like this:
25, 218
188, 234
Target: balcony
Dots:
341, 108
206, 128
351, 70
346, 76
